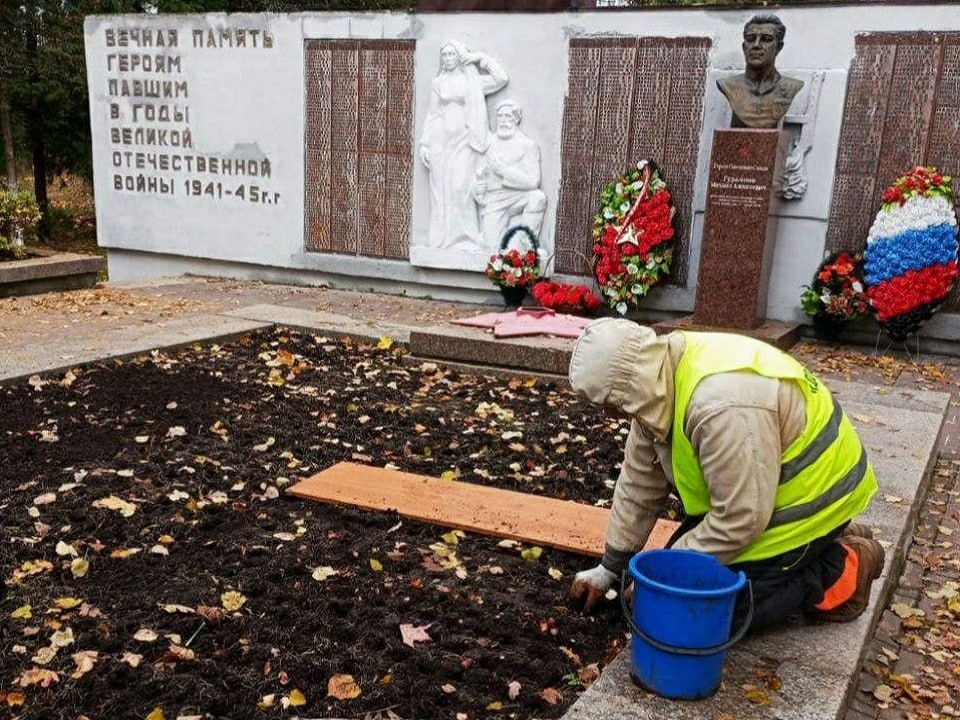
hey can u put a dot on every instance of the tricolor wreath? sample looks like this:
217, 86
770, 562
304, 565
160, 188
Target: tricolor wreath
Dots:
910, 263
632, 236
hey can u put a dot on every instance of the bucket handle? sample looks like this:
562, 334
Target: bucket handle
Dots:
733, 640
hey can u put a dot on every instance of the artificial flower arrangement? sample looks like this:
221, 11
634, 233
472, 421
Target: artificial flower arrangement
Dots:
910, 263
515, 268
836, 296
633, 236
571, 299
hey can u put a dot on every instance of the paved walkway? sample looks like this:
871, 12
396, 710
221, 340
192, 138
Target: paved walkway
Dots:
906, 672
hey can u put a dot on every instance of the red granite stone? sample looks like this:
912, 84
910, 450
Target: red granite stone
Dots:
735, 256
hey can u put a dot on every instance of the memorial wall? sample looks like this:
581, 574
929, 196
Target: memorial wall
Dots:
391, 151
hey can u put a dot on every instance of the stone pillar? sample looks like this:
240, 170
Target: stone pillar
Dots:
739, 234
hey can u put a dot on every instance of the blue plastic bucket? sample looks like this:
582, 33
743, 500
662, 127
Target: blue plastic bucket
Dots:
683, 603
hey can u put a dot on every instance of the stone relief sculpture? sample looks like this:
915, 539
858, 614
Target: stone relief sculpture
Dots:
760, 96
455, 136
792, 183
508, 179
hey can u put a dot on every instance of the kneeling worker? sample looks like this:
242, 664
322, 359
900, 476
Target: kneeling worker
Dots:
768, 468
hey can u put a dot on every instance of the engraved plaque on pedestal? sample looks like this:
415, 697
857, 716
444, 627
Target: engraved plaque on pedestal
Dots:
737, 236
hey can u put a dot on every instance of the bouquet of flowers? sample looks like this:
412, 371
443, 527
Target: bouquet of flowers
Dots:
632, 236
572, 299
513, 268
836, 296
910, 262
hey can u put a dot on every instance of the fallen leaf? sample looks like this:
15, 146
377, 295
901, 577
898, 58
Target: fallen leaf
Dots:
266, 702
45, 655
884, 693
495, 706
413, 634
264, 446
13, 699
513, 689
155, 714
176, 431
893, 499
79, 567
757, 696
159, 550
324, 572
385, 343
555, 573
131, 659
232, 600
63, 548
452, 537
376, 565
448, 688
112, 502
124, 553
62, 638
295, 699
174, 608
343, 687
45, 499
141, 439
211, 614
67, 603
84, 660
178, 495
22, 613
179, 653
904, 611
38, 676
145, 635
588, 674
531, 554
551, 695
944, 530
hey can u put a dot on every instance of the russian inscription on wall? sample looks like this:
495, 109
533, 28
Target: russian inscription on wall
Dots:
149, 79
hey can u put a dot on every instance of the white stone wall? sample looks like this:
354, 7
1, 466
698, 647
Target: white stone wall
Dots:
247, 103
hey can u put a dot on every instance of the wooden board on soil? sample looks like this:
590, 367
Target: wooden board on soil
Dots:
534, 519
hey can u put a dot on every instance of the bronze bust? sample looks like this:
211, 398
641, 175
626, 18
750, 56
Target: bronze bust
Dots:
760, 96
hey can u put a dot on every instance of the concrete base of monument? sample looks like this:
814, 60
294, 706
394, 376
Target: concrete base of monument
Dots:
48, 271
779, 334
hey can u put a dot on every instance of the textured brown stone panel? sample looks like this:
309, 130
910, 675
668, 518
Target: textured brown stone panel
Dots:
317, 147
731, 281
628, 98
902, 109
358, 146
475, 508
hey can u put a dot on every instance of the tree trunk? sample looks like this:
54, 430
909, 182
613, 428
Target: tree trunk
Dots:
7, 130
35, 130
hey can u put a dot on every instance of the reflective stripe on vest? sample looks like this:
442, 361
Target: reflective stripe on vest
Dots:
825, 479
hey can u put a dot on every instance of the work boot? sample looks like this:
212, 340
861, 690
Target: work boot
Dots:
857, 530
870, 558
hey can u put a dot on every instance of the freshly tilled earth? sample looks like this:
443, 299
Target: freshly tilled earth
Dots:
153, 562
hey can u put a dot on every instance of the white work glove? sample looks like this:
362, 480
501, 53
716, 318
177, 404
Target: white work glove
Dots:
591, 585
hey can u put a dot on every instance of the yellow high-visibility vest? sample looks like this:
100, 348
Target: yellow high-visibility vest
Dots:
825, 479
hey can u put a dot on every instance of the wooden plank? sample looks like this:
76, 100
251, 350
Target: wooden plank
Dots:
518, 516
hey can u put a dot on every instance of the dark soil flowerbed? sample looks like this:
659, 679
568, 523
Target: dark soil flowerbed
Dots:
154, 564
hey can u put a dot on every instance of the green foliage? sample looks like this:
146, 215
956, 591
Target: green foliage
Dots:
18, 212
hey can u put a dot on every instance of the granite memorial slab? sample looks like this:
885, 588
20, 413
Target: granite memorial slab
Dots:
737, 243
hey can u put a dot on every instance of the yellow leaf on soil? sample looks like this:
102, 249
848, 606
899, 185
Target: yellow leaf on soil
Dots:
531, 554
266, 702
79, 567
758, 696
449, 475
67, 603
376, 565
385, 343
22, 613
296, 698
452, 537
112, 502
232, 600
343, 687
156, 714
324, 572
495, 706
555, 573
15, 698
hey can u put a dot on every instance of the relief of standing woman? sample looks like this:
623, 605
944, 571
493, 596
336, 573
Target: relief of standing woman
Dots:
455, 136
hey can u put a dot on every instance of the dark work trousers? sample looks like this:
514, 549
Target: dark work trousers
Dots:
786, 585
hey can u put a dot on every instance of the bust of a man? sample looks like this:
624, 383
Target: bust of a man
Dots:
761, 96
